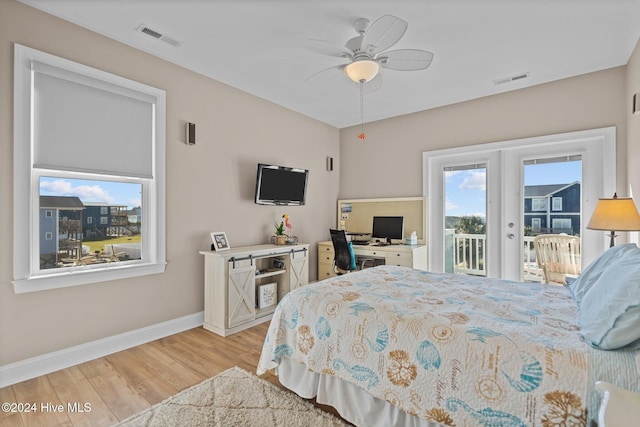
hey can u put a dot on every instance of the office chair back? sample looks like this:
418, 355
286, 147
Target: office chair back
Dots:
558, 256
342, 255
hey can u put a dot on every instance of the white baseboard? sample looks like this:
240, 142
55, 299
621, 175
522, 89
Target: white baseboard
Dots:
40, 365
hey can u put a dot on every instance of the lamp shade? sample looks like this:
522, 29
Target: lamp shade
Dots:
364, 69
616, 214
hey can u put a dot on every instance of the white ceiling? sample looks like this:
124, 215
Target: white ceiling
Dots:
256, 46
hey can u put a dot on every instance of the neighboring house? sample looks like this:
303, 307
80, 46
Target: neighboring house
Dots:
135, 218
552, 208
60, 228
103, 220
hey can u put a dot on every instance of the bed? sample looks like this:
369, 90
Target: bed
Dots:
396, 346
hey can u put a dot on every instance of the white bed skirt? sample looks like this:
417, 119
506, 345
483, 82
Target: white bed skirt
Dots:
351, 402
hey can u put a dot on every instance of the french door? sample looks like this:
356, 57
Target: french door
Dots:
502, 171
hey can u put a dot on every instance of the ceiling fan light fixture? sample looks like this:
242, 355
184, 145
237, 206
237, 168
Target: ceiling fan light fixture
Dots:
362, 70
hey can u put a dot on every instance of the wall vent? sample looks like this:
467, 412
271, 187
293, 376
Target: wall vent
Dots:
511, 79
158, 35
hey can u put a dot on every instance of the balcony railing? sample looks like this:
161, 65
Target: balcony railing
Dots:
469, 254
469, 251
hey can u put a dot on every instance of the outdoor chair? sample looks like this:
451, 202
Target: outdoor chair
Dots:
558, 256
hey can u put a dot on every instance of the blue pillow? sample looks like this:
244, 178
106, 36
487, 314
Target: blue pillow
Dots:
593, 271
610, 307
353, 265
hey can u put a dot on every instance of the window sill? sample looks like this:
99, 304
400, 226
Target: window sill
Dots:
83, 277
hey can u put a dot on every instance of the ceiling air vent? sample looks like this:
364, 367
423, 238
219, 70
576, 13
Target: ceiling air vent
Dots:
511, 79
158, 35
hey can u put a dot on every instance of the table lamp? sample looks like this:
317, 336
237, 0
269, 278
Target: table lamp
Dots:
615, 214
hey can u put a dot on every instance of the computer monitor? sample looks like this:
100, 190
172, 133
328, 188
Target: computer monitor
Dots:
388, 227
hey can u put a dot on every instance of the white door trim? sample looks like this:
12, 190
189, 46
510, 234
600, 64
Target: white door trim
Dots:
604, 159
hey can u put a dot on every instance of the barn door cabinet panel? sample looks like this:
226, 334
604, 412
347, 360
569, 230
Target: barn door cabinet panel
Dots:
242, 286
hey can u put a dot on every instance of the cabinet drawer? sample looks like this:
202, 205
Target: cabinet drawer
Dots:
325, 258
325, 272
370, 253
404, 259
325, 249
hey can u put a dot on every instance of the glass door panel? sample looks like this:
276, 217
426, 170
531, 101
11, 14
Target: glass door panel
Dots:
465, 219
552, 204
581, 165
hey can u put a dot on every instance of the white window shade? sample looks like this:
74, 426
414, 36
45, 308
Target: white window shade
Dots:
88, 125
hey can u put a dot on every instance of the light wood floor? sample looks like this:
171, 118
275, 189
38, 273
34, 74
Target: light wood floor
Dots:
124, 383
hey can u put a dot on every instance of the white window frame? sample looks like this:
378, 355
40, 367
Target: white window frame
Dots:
557, 221
27, 276
556, 204
539, 204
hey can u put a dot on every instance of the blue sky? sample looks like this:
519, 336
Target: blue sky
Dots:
465, 190
116, 193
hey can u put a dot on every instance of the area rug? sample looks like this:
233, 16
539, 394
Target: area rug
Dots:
233, 398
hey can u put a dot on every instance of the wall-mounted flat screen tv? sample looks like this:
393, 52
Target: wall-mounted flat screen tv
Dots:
280, 185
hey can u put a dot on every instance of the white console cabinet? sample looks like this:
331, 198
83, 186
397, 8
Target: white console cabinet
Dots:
242, 286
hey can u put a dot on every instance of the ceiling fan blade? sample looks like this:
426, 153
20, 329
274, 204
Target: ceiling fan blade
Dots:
372, 85
405, 59
327, 48
383, 34
325, 74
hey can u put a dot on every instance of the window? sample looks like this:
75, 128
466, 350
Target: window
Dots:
64, 115
556, 203
539, 204
48, 235
536, 224
48, 213
561, 225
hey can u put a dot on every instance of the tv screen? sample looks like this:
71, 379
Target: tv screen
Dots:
279, 185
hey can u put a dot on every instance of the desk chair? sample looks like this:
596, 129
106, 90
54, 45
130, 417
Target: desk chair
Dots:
558, 256
343, 256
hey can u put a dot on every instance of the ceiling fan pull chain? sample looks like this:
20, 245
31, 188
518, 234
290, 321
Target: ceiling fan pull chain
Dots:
362, 134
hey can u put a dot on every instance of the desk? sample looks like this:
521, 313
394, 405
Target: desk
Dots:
405, 255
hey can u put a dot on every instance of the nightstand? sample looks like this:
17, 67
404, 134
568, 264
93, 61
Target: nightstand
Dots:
619, 407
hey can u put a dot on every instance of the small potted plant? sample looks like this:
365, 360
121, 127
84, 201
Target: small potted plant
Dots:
281, 237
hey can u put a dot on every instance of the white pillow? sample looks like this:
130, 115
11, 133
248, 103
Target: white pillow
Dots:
610, 307
593, 271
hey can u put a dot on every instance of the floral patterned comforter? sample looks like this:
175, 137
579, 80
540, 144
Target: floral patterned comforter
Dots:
458, 350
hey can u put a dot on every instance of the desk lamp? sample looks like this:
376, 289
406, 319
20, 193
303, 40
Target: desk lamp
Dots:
615, 214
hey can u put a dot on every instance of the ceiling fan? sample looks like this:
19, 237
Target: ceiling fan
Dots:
367, 53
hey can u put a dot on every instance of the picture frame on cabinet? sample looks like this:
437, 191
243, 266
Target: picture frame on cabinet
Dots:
267, 295
220, 241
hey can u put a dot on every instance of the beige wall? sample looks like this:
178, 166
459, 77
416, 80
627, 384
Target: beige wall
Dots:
209, 188
633, 123
376, 167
